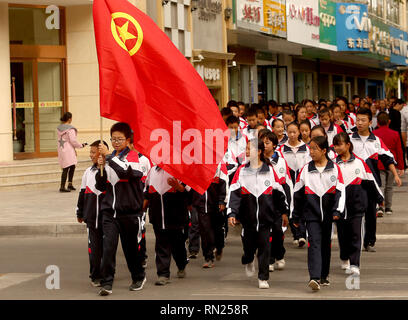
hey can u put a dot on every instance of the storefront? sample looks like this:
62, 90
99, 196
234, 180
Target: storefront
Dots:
263, 70
210, 55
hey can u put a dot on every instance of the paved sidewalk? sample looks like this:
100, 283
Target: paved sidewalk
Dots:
48, 212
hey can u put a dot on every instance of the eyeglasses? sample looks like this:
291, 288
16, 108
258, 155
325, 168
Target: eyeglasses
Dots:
120, 140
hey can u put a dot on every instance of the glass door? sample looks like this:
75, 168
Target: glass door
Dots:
50, 103
39, 103
22, 106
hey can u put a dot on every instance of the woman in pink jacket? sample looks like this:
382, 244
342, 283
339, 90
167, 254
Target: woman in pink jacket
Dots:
67, 143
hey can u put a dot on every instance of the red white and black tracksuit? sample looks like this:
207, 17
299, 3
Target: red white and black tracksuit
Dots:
146, 166
332, 131
88, 209
296, 161
211, 219
250, 133
122, 211
371, 150
282, 176
317, 198
359, 182
235, 155
168, 214
257, 200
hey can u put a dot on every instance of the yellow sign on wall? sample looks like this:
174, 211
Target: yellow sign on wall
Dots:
275, 17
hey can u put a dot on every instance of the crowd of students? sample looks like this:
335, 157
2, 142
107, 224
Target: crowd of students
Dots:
302, 167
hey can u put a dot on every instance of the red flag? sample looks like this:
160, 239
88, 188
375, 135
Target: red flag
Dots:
147, 82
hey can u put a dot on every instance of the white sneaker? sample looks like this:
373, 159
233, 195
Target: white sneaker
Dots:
263, 284
296, 243
280, 264
250, 269
345, 264
271, 268
354, 270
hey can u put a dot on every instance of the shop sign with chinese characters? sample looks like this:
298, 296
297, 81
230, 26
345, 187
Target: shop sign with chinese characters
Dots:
274, 17
303, 22
358, 32
250, 14
327, 15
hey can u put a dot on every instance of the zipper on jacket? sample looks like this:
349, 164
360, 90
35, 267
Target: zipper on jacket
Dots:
162, 209
206, 201
114, 201
257, 202
97, 211
321, 201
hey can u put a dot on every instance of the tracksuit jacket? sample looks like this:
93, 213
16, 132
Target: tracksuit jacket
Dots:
235, 155
282, 176
297, 160
256, 199
359, 182
319, 195
216, 193
122, 181
167, 206
371, 151
332, 131
90, 199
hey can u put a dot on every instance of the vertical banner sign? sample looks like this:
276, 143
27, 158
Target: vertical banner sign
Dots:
353, 26
327, 14
303, 22
275, 17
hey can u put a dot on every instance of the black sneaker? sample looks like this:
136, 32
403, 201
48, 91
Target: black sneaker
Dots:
137, 285
314, 285
325, 282
302, 242
64, 190
193, 255
388, 211
71, 187
105, 290
96, 282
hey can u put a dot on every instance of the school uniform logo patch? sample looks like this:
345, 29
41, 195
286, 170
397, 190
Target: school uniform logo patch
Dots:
281, 170
377, 145
267, 183
357, 171
333, 178
144, 169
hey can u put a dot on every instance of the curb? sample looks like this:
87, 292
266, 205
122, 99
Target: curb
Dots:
68, 229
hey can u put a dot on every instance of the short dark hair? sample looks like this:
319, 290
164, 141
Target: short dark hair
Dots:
260, 110
270, 136
322, 143
365, 111
318, 127
66, 116
383, 118
354, 97
122, 127
231, 120
324, 111
288, 112
272, 103
342, 99
334, 106
262, 133
294, 123
342, 137
398, 101
97, 143
277, 119
226, 111
232, 103
306, 122
252, 112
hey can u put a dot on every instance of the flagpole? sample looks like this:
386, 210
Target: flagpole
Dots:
101, 136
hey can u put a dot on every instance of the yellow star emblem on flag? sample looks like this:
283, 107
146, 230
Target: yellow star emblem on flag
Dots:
122, 34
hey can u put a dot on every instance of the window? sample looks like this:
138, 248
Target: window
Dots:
393, 11
28, 27
376, 7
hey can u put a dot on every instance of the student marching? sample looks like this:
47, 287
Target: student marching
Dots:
305, 166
